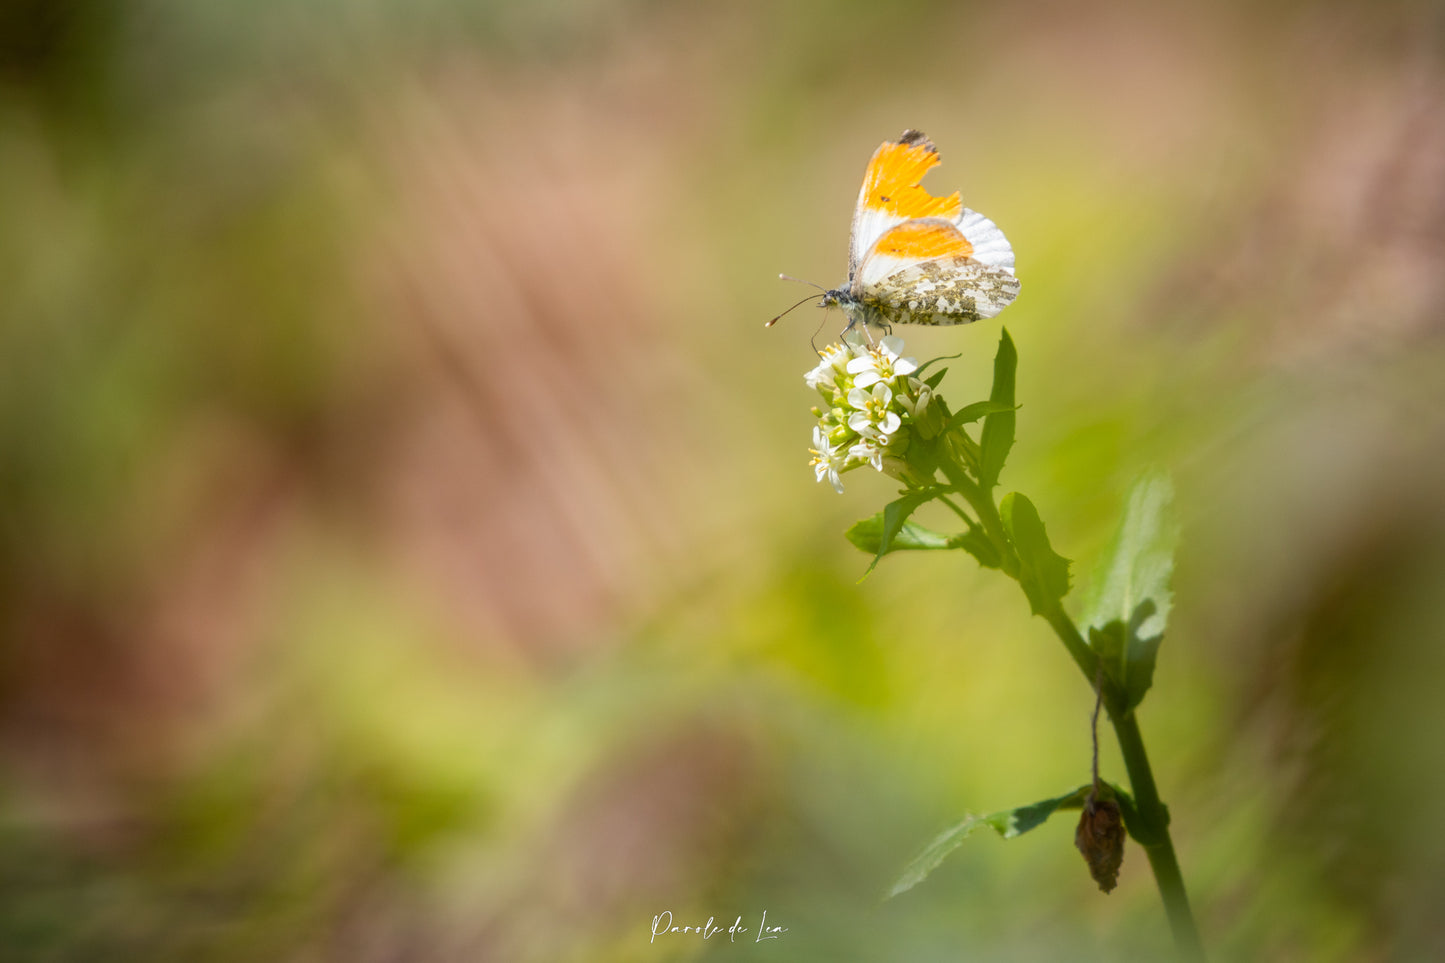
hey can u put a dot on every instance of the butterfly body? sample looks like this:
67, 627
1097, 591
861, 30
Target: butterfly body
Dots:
918, 259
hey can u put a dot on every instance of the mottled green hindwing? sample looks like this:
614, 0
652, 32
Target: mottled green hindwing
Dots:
947, 290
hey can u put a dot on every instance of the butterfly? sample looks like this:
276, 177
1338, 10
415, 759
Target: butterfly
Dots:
918, 259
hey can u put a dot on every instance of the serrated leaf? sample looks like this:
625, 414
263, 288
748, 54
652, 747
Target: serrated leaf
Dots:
1008, 823
890, 523
998, 427
1127, 608
1043, 573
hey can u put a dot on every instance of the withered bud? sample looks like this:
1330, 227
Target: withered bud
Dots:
1100, 838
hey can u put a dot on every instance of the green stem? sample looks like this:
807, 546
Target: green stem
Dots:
987, 513
972, 525
1083, 656
1153, 817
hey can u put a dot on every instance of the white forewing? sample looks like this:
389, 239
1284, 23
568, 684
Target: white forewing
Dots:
869, 224
875, 267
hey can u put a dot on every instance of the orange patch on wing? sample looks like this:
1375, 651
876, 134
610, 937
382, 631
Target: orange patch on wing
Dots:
923, 241
891, 182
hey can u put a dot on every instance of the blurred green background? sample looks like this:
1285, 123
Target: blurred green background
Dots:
407, 545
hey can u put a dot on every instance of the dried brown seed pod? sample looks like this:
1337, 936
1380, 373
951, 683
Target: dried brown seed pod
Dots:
1100, 837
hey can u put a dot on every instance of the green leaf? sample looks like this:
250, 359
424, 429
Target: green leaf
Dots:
932, 361
998, 427
1043, 573
977, 544
936, 379
868, 536
1008, 823
968, 414
882, 529
1127, 607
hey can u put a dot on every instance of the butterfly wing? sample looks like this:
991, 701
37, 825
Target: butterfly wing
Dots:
928, 271
918, 259
890, 194
949, 290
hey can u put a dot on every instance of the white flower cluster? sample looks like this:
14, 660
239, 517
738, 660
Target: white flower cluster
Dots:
870, 398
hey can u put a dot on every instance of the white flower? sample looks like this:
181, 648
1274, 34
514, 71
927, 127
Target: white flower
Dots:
873, 411
868, 393
828, 460
869, 448
915, 405
834, 356
861, 398
880, 362
892, 348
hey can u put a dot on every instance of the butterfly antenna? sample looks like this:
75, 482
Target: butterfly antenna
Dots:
789, 277
798, 305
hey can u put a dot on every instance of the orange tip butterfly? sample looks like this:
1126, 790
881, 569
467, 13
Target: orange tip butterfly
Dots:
918, 259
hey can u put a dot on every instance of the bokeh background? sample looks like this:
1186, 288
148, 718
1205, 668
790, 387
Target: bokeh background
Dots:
407, 545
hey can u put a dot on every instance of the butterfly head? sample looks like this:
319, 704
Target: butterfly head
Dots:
853, 307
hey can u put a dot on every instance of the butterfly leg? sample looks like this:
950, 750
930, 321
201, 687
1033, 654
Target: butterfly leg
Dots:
843, 335
859, 316
868, 330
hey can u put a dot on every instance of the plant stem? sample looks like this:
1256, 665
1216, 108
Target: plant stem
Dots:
1155, 820
1153, 817
1152, 829
1083, 656
987, 513
972, 525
